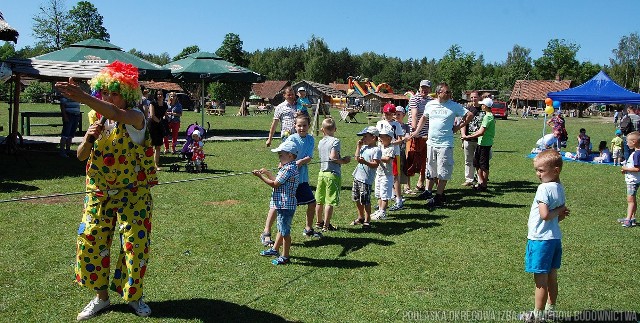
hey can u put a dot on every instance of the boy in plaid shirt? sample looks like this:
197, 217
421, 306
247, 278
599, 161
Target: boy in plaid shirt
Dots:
283, 198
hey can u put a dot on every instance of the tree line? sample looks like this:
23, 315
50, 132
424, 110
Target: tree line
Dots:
55, 28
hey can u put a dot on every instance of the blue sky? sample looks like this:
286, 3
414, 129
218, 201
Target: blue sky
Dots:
404, 29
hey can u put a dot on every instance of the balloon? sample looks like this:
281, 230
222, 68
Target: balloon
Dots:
548, 110
556, 104
548, 101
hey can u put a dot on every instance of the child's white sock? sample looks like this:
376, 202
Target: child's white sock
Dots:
550, 307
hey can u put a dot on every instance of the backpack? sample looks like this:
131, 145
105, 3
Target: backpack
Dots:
627, 126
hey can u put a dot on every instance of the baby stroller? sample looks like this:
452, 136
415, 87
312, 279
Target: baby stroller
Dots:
186, 154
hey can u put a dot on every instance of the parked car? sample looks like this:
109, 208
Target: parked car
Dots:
185, 100
500, 109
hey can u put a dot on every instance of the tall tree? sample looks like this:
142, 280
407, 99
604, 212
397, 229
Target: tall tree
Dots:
186, 52
558, 60
161, 59
317, 67
454, 68
625, 64
231, 50
49, 26
518, 66
86, 23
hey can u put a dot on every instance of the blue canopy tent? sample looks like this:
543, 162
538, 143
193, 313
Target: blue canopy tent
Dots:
599, 89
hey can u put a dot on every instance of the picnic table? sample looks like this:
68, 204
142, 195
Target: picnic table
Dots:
261, 109
27, 115
215, 111
349, 115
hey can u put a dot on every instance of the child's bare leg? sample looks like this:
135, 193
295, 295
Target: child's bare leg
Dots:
367, 212
542, 290
361, 211
631, 207
271, 217
553, 286
319, 210
286, 245
328, 213
311, 210
382, 204
397, 188
279, 242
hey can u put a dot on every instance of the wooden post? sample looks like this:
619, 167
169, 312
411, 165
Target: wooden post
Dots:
16, 104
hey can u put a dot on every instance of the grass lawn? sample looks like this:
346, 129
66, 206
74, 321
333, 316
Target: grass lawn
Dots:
205, 264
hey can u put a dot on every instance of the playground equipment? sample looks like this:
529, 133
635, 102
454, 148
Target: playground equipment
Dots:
365, 87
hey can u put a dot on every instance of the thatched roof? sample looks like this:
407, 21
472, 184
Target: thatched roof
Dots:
6, 32
269, 89
537, 89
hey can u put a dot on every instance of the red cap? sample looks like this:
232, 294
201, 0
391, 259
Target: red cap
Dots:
389, 108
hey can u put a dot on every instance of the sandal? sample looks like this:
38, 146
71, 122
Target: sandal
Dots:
420, 188
366, 226
263, 239
357, 221
319, 224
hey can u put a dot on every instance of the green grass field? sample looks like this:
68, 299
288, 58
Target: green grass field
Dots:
205, 265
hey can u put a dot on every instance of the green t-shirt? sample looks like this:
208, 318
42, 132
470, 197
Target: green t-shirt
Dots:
489, 125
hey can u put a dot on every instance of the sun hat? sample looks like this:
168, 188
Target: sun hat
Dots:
425, 83
287, 146
386, 131
486, 101
370, 129
195, 132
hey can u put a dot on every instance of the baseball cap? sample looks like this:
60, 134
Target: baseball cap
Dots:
386, 131
389, 108
400, 108
287, 146
618, 132
486, 101
301, 89
370, 129
425, 83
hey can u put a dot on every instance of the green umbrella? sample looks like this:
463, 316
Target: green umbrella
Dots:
100, 51
204, 66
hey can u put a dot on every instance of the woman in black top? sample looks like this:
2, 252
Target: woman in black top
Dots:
157, 125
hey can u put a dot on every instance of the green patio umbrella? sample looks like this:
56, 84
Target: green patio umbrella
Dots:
100, 51
203, 66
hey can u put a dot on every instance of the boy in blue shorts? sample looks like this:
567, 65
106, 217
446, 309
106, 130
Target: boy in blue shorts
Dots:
544, 247
283, 198
329, 177
368, 157
631, 171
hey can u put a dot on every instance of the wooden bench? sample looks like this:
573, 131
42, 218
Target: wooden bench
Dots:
260, 110
33, 114
349, 115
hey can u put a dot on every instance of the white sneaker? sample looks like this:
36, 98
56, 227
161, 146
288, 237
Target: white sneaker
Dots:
141, 308
382, 215
96, 305
374, 215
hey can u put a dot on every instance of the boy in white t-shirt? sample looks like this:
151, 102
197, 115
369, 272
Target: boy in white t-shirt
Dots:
384, 174
631, 171
388, 121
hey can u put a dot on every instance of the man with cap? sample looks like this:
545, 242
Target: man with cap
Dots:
285, 113
303, 103
441, 114
417, 147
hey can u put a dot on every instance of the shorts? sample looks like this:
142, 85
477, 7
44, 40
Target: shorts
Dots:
440, 162
70, 126
402, 177
481, 157
616, 154
384, 187
632, 189
361, 192
304, 195
284, 219
542, 256
395, 164
328, 188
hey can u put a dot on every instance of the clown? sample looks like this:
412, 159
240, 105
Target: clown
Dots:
120, 172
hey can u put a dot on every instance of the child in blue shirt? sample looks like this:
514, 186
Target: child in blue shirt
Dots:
283, 199
368, 157
544, 247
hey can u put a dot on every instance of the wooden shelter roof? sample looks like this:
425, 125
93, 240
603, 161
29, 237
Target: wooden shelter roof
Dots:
537, 89
322, 88
269, 89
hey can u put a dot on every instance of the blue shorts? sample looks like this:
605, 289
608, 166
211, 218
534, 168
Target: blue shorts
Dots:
304, 195
284, 219
542, 256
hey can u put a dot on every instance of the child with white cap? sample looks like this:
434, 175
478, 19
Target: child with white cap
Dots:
283, 198
368, 156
